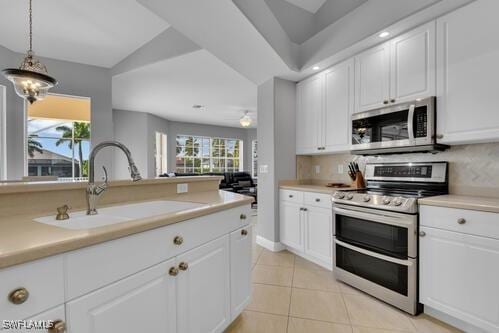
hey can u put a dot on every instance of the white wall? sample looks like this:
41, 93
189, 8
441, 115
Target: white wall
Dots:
74, 79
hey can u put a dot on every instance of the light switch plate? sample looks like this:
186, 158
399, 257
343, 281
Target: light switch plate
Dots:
317, 169
264, 168
182, 188
340, 169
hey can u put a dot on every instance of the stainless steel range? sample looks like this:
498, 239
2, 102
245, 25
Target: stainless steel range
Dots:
375, 230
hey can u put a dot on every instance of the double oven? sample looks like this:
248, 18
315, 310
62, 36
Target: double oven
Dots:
376, 251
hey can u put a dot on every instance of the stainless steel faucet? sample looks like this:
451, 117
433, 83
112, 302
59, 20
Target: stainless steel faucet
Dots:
93, 190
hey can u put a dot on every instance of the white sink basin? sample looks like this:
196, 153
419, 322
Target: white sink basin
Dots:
119, 214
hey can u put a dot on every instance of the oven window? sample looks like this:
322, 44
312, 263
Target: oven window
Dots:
384, 273
377, 237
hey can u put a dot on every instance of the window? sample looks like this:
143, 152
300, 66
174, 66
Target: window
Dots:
160, 154
197, 154
57, 145
254, 159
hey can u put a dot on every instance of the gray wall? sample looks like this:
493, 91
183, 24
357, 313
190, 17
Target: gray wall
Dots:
276, 118
74, 79
137, 131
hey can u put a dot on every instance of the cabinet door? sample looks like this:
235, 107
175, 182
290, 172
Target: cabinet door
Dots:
372, 78
459, 275
467, 53
55, 315
318, 233
204, 288
413, 65
338, 106
310, 95
291, 226
240, 270
143, 302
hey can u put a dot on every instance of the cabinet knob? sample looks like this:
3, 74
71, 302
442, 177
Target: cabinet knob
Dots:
317, 200
461, 221
58, 326
385, 101
173, 271
19, 296
178, 240
243, 217
305, 209
440, 136
244, 232
290, 195
393, 100
183, 266
422, 233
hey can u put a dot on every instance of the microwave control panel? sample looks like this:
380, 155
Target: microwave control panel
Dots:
421, 122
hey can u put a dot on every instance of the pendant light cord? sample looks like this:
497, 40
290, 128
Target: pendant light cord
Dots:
30, 27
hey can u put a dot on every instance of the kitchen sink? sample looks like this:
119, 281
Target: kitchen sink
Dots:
119, 214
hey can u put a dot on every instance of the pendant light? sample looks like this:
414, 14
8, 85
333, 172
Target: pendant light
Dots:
245, 120
31, 80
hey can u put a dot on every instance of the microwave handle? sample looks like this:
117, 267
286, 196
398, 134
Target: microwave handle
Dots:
410, 123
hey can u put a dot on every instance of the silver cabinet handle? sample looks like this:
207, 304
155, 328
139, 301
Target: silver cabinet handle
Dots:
317, 200
385, 101
393, 100
422, 233
461, 221
290, 195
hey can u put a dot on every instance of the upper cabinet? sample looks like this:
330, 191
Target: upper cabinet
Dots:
324, 105
400, 70
467, 53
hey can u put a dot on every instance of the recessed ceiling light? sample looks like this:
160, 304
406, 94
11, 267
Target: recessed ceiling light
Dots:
316, 68
384, 34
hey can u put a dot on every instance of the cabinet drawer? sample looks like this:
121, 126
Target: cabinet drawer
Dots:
291, 196
131, 254
461, 220
318, 200
44, 281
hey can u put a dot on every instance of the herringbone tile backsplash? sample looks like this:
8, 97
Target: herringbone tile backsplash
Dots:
473, 169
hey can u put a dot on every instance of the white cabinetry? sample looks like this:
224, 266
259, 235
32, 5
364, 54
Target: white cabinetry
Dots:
144, 302
306, 226
324, 105
400, 70
203, 286
240, 269
459, 271
467, 53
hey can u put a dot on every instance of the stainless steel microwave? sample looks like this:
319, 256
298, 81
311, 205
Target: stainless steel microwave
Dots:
402, 128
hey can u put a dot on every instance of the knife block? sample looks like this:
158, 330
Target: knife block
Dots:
359, 181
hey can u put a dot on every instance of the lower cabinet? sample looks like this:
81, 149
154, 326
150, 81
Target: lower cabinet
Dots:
203, 298
143, 302
306, 226
241, 242
55, 316
459, 270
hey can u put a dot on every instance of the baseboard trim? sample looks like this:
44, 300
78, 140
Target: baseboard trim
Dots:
453, 321
269, 245
328, 266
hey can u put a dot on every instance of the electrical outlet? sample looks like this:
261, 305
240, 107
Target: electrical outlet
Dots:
317, 169
182, 188
340, 169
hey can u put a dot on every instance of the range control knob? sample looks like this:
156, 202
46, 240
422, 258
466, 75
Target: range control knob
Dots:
340, 195
386, 201
366, 198
349, 196
397, 201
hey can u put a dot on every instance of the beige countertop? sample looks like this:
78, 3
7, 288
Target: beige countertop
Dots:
23, 240
485, 204
23, 187
314, 188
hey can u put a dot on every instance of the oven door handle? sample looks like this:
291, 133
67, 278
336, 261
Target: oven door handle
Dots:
373, 254
410, 123
376, 218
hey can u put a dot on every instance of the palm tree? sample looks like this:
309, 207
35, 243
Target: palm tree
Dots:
33, 146
81, 133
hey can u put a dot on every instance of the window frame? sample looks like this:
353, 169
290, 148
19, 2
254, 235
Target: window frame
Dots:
211, 154
161, 154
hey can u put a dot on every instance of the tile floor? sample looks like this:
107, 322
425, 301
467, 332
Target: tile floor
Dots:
293, 295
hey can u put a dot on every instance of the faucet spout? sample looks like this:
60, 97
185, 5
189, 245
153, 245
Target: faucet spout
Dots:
94, 191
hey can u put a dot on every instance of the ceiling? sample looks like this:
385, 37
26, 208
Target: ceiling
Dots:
92, 32
309, 5
171, 87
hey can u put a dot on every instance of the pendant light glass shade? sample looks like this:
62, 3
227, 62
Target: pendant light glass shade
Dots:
245, 121
31, 80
